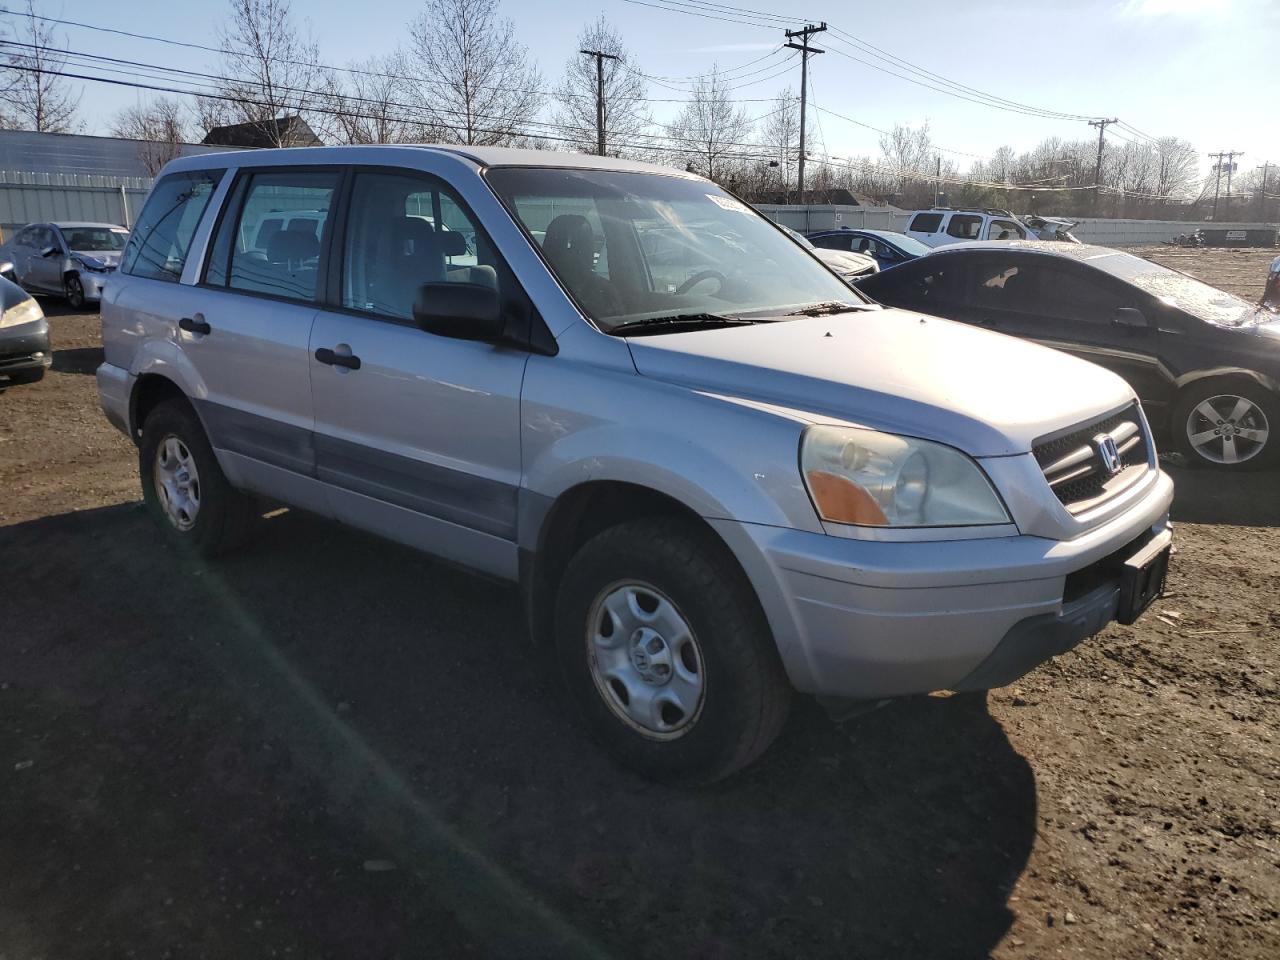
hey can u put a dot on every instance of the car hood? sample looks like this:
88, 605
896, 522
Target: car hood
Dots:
98, 258
984, 393
846, 263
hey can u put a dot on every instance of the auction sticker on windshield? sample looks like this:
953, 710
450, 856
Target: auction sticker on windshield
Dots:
728, 203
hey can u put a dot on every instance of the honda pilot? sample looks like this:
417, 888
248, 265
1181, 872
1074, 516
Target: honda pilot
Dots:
717, 473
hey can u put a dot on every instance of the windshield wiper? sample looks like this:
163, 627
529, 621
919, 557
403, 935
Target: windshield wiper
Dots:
828, 308
679, 321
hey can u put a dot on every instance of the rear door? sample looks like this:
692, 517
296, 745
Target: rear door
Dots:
248, 329
417, 435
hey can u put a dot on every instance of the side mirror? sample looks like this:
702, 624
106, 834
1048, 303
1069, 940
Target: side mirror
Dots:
1129, 317
49, 252
463, 311
8, 272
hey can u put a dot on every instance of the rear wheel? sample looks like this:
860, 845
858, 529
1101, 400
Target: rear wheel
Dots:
667, 653
184, 488
1228, 424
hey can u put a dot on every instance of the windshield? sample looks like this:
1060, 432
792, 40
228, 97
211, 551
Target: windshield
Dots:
635, 246
94, 239
1179, 290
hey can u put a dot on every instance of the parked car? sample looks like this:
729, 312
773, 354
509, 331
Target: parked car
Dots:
1050, 228
942, 226
71, 260
710, 496
1205, 363
24, 333
887, 247
850, 266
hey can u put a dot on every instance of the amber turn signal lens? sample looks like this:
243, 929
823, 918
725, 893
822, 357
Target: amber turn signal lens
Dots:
843, 501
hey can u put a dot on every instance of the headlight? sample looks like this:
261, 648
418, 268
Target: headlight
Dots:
877, 479
23, 312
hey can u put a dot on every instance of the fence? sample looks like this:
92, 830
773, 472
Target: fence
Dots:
1106, 232
37, 197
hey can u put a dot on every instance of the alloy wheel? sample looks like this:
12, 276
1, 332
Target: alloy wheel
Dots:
1227, 429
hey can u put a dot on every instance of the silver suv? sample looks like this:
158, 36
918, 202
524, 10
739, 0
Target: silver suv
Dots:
716, 472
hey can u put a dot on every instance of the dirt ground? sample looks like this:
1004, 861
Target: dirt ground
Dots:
328, 746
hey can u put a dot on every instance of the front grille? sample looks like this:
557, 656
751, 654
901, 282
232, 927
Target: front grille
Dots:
1074, 464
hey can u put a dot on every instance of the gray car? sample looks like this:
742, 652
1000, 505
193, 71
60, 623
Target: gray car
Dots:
66, 259
24, 333
717, 473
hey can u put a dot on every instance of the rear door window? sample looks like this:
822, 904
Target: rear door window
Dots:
965, 226
926, 222
272, 244
833, 242
161, 239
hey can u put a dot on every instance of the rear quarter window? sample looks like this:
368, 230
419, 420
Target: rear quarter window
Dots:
161, 239
926, 222
965, 226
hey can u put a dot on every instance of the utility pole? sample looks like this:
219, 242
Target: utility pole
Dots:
601, 57
937, 183
1217, 183
1262, 192
803, 46
1097, 170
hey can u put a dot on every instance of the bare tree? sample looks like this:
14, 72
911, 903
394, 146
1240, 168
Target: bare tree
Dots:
711, 128
910, 157
361, 105
160, 128
1177, 168
38, 97
475, 81
625, 113
782, 134
272, 67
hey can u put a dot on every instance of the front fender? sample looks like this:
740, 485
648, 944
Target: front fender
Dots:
720, 458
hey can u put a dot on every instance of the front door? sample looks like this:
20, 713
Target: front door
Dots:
1073, 309
417, 435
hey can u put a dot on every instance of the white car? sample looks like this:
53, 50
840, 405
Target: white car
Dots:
942, 225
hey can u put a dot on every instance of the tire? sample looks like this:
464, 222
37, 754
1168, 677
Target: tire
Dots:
221, 516
1249, 440
728, 652
75, 291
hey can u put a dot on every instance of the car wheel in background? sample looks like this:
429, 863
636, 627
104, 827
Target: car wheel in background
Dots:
75, 291
183, 486
1229, 424
667, 653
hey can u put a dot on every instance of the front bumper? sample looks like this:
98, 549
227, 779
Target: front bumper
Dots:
24, 348
867, 620
93, 283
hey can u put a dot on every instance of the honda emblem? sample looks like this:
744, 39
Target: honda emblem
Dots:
1108, 454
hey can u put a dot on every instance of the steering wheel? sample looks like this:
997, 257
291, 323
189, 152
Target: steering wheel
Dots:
697, 278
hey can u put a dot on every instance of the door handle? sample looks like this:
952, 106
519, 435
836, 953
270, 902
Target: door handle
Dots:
327, 356
196, 324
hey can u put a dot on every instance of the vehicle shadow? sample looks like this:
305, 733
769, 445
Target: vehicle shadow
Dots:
330, 744
58, 307
1204, 495
77, 359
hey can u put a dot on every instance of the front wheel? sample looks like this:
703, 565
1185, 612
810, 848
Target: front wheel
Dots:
1228, 424
184, 488
667, 653
75, 292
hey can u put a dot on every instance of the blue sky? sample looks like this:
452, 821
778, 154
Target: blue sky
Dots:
1206, 70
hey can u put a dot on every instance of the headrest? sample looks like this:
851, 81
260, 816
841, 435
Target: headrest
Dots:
290, 245
570, 243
